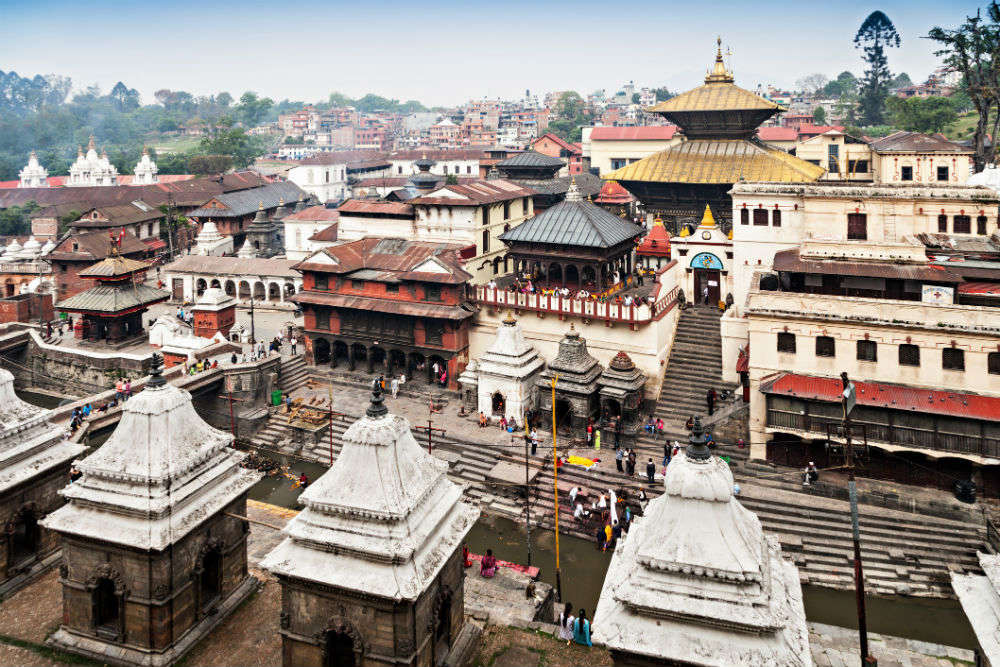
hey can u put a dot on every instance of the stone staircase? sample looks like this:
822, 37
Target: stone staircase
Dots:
294, 373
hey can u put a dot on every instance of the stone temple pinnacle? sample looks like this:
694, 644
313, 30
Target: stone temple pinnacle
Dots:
377, 408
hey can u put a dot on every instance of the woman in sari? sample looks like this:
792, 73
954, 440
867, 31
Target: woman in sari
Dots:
488, 568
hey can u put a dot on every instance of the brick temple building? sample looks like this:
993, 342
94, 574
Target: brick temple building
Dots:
390, 305
79, 251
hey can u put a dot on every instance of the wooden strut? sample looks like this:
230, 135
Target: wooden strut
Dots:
248, 519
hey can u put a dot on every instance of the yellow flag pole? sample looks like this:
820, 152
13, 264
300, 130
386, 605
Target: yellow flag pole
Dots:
555, 484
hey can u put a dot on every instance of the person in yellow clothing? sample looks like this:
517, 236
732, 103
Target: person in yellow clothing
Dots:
607, 536
597, 438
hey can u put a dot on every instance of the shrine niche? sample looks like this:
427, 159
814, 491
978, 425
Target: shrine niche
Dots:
621, 392
576, 399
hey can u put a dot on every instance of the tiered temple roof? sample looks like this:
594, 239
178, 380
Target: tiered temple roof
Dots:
159, 476
382, 521
578, 370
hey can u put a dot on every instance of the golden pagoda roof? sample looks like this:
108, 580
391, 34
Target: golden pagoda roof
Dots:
718, 94
114, 265
721, 161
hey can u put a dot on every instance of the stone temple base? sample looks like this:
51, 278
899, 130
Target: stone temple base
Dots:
22, 579
126, 656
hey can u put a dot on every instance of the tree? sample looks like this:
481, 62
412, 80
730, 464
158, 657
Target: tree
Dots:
451, 179
845, 83
235, 143
124, 98
811, 84
873, 37
570, 115
819, 116
224, 99
16, 220
635, 98
252, 108
901, 81
973, 49
662, 94
209, 164
922, 114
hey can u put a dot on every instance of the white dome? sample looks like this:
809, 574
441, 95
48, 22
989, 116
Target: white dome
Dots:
989, 177
48, 247
11, 251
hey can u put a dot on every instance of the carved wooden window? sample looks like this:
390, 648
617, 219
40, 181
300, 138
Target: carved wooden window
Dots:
993, 363
321, 281
857, 226
867, 350
909, 355
786, 342
953, 359
776, 218
760, 217
961, 224
981, 225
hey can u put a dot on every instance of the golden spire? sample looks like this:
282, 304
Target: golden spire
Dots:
657, 221
91, 146
509, 320
707, 220
719, 73
685, 231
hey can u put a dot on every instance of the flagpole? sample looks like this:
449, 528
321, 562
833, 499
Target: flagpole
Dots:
555, 484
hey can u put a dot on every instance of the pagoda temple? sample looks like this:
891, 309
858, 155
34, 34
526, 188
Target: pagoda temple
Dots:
371, 570
654, 251
153, 536
112, 309
719, 120
697, 582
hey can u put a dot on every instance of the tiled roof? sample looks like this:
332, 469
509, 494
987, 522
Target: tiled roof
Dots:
397, 258
790, 260
353, 159
116, 265
885, 395
777, 133
107, 299
588, 184
558, 140
398, 307
117, 215
646, 133
239, 266
439, 154
719, 161
915, 142
245, 202
656, 243
813, 130
376, 206
313, 214
326, 234
475, 193
92, 246
613, 193
574, 223
531, 159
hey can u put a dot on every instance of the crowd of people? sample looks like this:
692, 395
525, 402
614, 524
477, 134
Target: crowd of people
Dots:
611, 295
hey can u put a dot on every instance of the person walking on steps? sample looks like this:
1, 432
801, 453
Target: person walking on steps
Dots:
650, 470
619, 457
710, 399
704, 295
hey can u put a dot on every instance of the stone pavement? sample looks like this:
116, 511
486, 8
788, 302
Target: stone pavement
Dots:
833, 646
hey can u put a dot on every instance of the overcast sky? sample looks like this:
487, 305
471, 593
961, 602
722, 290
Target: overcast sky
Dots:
446, 52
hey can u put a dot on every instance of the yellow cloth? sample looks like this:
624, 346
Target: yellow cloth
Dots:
580, 461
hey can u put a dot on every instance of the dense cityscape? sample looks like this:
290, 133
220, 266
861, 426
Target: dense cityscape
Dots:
655, 374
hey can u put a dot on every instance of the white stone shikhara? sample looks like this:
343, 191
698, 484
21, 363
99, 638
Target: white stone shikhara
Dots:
29, 444
989, 177
211, 242
697, 581
980, 598
145, 170
510, 366
91, 169
33, 175
383, 520
159, 476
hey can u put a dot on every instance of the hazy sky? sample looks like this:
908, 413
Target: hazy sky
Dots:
444, 52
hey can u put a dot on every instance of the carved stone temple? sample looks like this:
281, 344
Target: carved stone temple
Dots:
153, 536
35, 459
695, 581
371, 570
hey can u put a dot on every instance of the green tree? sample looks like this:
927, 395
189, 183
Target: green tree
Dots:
819, 116
252, 108
973, 49
845, 83
451, 179
635, 98
16, 220
875, 35
922, 114
124, 98
224, 100
570, 116
235, 143
209, 164
662, 94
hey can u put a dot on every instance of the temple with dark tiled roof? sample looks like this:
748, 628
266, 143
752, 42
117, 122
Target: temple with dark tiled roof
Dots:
720, 120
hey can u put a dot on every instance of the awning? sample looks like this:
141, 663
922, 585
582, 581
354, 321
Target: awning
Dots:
890, 396
155, 244
792, 262
980, 289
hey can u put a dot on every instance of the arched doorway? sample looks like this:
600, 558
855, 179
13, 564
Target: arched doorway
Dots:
210, 578
258, 291
289, 290
244, 290
215, 283
442, 368
707, 271
230, 288
321, 351
499, 404
201, 286
418, 364
24, 534
555, 273
612, 409
376, 357
339, 650
564, 414
339, 352
359, 354
106, 607
8, 287
273, 292
397, 361
589, 277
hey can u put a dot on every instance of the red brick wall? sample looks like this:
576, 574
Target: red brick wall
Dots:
207, 322
26, 308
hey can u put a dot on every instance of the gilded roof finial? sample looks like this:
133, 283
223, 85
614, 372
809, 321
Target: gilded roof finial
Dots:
91, 146
509, 320
719, 73
707, 219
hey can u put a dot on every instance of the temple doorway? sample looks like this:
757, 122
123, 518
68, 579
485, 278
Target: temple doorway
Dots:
24, 537
707, 278
321, 351
106, 611
564, 414
211, 578
499, 404
339, 650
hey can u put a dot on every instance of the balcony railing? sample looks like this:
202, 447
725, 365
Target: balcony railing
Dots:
902, 436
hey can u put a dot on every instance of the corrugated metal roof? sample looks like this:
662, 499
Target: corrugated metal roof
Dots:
588, 184
244, 202
884, 395
474, 193
531, 159
574, 223
790, 260
400, 257
417, 309
106, 299
722, 161
313, 214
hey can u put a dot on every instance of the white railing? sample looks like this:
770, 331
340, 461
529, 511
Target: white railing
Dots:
663, 300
